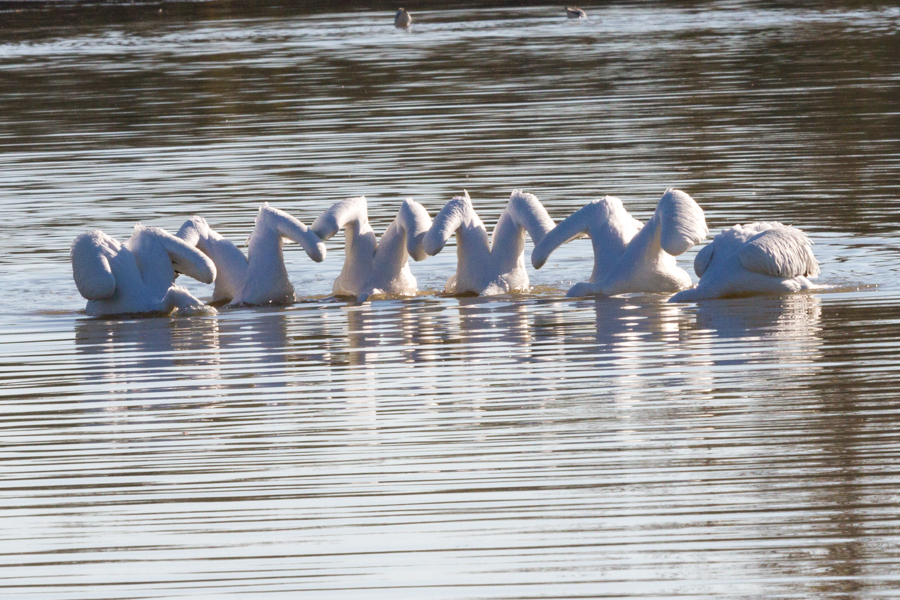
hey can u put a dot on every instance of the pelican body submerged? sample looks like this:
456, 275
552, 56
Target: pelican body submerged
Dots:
630, 256
137, 276
759, 258
494, 266
261, 277
372, 266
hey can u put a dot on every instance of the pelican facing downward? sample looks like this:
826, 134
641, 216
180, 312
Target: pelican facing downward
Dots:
628, 256
759, 258
137, 276
372, 266
484, 267
261, 278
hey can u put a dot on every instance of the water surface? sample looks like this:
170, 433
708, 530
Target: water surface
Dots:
524, 446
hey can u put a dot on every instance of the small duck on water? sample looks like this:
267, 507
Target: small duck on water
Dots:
573, 12
402, 18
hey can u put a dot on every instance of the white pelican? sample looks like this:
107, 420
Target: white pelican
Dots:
573, 12
261, 278
759, 258
372, 266
402, 18
484, 267
137, 276
628, 256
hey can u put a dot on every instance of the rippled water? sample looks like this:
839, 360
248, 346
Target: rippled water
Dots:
525, 446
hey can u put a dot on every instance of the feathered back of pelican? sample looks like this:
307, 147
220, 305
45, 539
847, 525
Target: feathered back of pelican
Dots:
769, 248
780, 251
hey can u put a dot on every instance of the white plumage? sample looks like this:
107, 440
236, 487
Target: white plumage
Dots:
485, 267
759, 258
137, 276
261, 277
372, 266
628, 256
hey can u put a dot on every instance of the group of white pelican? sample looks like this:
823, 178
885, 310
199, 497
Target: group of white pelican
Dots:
629, 256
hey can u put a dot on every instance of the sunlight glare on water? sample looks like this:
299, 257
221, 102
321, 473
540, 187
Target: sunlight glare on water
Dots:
521, 446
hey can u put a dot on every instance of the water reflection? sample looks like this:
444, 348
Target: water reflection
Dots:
494, 329
135, 353
260, 348
382, 332
790, 318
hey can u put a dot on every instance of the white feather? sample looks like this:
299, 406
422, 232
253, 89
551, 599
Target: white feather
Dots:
759, 258
261, 277
135, 277
488, 266
781, 252
630, 257
91, 270
372, 266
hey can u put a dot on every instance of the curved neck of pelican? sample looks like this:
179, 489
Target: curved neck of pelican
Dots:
611, 235
353, 230
473, 248
265, 246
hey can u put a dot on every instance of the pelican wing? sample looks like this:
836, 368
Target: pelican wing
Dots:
528, 212
295, 230
568, 229
780, 252
185, 258
704, 258
346, 211
681, 222
90, 265
416, 222
446, 223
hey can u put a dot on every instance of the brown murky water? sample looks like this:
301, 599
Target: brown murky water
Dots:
527, 446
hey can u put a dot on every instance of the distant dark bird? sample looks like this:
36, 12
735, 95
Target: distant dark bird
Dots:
402, 18
573, 12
